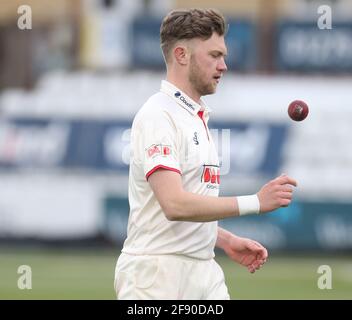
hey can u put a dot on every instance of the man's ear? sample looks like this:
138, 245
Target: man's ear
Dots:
181, 54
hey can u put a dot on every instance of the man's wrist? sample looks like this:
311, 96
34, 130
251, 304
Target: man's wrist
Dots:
248, 205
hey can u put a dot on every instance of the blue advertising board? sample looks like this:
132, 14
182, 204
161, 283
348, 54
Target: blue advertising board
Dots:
241, 45
249, 147
305, 47
246, 148
145, 44
305, 226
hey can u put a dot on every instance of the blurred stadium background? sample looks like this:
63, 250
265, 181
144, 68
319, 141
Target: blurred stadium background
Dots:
69, 88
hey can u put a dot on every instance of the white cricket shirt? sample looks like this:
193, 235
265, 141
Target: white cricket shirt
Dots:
170, 131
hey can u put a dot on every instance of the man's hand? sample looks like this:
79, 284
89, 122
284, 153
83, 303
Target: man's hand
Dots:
246, 252
276, 193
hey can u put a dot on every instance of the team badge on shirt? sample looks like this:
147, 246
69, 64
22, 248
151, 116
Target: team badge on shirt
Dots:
158, 150
211, 174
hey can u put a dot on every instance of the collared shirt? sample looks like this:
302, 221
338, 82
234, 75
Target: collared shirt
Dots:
170, 131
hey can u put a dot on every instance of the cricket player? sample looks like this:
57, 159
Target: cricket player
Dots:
174, 177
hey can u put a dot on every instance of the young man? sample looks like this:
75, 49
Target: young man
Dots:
175, 176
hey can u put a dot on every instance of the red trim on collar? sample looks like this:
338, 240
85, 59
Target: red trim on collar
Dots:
200, 114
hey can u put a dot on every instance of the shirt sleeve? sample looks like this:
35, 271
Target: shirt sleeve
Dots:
156, 144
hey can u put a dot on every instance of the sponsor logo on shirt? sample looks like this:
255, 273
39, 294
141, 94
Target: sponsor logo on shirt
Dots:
183, 99
195, 138
158, 150
211, 174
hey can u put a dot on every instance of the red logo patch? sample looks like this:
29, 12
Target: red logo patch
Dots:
166, 151
153, 150
211, 174
158, 149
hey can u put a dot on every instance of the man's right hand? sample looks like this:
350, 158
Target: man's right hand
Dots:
276, 193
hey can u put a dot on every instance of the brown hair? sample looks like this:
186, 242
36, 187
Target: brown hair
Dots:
189, 24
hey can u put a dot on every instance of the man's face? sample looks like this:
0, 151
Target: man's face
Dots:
207, 63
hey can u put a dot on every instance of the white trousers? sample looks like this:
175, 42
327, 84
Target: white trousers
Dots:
168, 277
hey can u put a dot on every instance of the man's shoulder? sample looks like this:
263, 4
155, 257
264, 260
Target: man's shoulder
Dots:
158, 105
159, 101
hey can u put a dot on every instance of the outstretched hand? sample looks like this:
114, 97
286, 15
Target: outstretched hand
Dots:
246, 252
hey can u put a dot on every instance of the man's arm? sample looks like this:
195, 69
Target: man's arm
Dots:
180, 205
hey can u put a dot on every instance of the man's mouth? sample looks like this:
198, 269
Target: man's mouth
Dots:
217, 78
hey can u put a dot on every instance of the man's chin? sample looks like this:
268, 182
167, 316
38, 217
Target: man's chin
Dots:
209, 90
212, 90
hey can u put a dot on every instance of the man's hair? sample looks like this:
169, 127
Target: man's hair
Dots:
189, 24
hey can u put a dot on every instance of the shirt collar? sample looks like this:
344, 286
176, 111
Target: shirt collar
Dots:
182, 99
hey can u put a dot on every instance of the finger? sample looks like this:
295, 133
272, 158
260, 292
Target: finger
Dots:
286, 180
283, 179
287, 188
257, 248
263, 254
251, 269
257, 264
285, 195
285, 202
258, 244
262, 262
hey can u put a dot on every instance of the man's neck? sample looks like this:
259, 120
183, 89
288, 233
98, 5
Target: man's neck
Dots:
185, 87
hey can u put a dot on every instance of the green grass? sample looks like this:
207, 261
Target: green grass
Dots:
88, 274
289, 278
73, 274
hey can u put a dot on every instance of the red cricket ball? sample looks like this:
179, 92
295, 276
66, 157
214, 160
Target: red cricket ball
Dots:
298, 110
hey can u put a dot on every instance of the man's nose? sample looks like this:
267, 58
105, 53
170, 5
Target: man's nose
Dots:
222, 65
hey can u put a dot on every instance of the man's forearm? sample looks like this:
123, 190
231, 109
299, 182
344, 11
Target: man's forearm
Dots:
198, 208
181, 205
